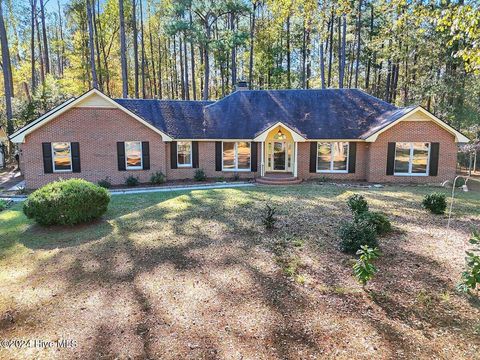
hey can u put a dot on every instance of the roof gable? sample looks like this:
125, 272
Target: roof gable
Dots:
91, 98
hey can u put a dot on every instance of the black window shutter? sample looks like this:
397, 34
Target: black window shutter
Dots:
75, 148
218, 156
253, 156
121, 155
352, 157
313, 157
391, 158
434, 152
145, 155
195, 154
47, 158
173, 155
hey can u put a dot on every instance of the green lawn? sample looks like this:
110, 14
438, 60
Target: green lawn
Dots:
195, 275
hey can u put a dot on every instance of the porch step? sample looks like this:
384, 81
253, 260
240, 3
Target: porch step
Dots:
276, 180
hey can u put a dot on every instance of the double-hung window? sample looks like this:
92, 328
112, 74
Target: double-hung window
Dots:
236, 155
332, 157
411, 158
133, 155
62, 156
184, 154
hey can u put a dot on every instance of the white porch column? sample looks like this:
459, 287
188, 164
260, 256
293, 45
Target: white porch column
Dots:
262, 161
295, 159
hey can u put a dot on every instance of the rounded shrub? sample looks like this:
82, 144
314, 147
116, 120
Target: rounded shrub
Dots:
355, 234
131, 180
357, 204
67, 202
378, 219
435, 202
105, 183
200, 175
157, 178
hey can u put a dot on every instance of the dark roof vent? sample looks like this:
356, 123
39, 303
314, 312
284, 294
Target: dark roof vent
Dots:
241, 85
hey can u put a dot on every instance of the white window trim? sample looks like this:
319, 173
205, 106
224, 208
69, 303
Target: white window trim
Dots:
410, 161
53, 157
331, 171
140, 167
235, 158
191, 156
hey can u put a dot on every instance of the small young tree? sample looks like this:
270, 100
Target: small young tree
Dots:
363, 269
268, 218
471, 276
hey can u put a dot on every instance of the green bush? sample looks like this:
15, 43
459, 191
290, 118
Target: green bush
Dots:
199, 175
3, 204
363, 269
131, 181
357, 204
157, 178
355, 234
435, 202
378, 220
471, 276
105, 183
67, 202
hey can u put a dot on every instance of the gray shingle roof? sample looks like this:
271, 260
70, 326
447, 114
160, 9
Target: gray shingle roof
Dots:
315, 114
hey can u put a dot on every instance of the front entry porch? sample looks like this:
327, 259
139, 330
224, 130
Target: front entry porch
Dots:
279, 155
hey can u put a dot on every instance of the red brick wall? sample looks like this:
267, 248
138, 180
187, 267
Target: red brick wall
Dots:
304, 164
97, 130
206, 159
413, 131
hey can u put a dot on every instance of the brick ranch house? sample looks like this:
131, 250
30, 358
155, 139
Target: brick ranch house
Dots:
339, 134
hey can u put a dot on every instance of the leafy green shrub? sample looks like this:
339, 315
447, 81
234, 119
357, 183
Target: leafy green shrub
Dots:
157, 178
355, 234
435, 202
357, 204
363, 269
471, 276
131, 181
460, 182
378, 219
268, 218
3, 204
200, 175
67, 202
105, 183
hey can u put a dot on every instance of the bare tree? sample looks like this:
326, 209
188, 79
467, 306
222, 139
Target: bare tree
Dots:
45, 40
359, 28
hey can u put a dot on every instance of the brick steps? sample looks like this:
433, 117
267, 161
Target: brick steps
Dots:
275, 180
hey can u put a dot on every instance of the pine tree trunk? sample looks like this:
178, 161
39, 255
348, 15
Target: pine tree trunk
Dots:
142, 44
123, 50
135, 46
289, 56
91, 45
233, 52
155, 90
192, 58
62, 57
252, 40
40, 51
45, 41
33, 4
322, 65
341, 48
359, 28
97, 46
182, 69
369, 62
7, 75
160, 82
206, 80
187, 85
330, 56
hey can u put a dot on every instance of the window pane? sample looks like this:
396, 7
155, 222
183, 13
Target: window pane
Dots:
420, 158
324, 156
340, 155
184, 153
61, 156
133, 153
228, 155
243, 153
402, 157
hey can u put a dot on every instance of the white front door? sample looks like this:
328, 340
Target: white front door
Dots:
279, 156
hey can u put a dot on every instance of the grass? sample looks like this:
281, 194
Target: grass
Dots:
196, 275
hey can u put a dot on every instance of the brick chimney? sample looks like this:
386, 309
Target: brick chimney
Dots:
241, 85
